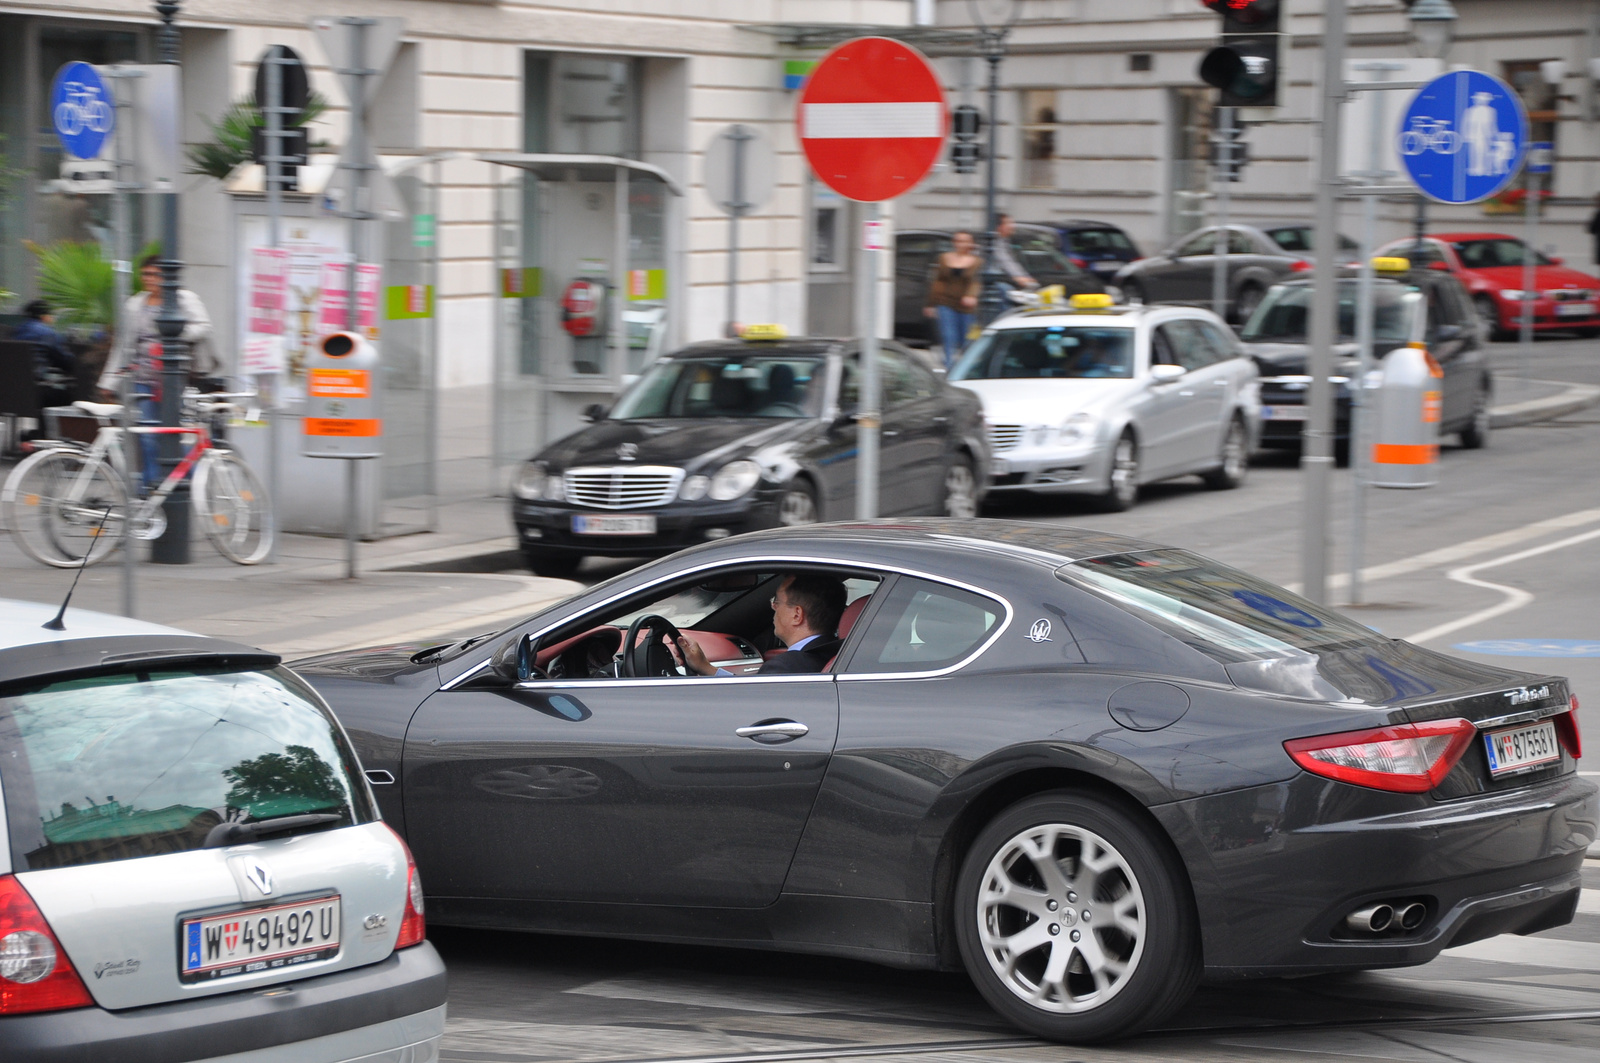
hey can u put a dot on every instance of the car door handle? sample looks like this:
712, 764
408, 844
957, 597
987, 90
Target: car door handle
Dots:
1220, 383
1187, 394
772, 732
889, 433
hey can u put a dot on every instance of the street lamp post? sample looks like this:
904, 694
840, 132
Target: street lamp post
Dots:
172, 548
993, 19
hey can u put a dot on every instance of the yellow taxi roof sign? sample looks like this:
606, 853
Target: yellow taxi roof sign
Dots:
1092, 301
1052, 295
1391, 264
763, 332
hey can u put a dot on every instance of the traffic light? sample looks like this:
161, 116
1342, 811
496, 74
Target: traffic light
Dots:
966, 122
1245, 65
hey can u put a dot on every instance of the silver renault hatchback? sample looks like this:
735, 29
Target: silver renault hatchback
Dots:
191, 864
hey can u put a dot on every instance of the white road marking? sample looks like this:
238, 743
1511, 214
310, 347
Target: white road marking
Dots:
1515, 597
1444, 555
1414, 1046
861, 121
1589, 902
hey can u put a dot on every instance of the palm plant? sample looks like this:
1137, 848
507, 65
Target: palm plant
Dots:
232, 134
76, 277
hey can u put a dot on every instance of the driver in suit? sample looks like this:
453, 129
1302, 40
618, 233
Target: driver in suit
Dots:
805, 617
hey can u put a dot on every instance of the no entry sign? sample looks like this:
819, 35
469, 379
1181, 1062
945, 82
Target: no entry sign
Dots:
872, 119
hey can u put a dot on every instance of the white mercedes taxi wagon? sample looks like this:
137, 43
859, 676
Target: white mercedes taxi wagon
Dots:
1097, 399
191, 864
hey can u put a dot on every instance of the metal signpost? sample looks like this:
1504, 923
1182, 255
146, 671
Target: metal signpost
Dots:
872, 122
359, 49
740, 171
1223, 177
1540, 155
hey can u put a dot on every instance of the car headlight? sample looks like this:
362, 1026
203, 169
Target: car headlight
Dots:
1079, 428
734, 479
1514, 295
694, 488
534, 481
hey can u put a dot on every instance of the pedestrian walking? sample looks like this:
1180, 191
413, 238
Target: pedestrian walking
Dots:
1594, 230
953, 295
136, 353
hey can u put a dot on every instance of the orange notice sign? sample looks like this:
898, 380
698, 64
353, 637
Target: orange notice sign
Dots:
1405, 453
347, 427
341, 383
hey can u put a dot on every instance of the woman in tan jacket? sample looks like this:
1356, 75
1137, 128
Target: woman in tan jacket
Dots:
953, 295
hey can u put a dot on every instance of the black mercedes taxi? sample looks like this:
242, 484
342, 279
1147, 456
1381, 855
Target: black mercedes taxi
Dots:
729, 436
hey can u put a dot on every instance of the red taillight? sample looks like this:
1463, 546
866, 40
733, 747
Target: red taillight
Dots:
413, 927
1080, 263
1408, 758
35, 974
1299, 266
1567, 731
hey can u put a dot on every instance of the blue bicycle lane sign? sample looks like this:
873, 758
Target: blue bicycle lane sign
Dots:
82, 110
1463, 137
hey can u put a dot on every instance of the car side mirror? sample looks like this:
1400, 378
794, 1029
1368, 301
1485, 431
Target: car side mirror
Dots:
844, 420
595, 411
1166, 374
1440, 266
527, 660
1448, 332
1556, 260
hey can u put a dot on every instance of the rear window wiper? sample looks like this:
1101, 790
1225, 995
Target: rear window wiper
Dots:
236, 833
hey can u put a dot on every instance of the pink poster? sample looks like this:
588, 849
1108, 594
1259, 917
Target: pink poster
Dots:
367, 276
335, 297
335, 278
269, 285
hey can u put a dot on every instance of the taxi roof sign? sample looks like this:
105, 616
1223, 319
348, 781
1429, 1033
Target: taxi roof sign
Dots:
763, 332
1092, 301
1391, 264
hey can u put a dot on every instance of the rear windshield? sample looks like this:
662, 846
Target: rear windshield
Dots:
115, 767
1055, 353
1099, 240
1220, 611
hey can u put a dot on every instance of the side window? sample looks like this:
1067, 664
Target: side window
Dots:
1224, 344
895, 379
1290, 239
1190, 345
1201, 244
1164, 344
923, 626
923, 384
1240, 244
849, 387
1437, 315
1421, 257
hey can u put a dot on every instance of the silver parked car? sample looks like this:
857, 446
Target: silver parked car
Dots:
193, 865
1095, 399
1257, 259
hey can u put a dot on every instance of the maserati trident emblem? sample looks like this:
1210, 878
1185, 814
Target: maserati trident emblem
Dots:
627, 451
259, 877
1039, 632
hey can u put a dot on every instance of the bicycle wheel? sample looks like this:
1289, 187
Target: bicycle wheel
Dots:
233, 507
65, 508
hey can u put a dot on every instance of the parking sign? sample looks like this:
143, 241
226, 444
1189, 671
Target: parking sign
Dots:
1462, 138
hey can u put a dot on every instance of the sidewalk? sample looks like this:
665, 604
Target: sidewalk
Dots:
303, 604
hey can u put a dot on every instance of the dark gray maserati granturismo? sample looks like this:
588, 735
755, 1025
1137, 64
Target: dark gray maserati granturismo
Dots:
1088, 769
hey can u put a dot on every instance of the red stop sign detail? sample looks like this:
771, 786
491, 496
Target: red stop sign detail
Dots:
865, 71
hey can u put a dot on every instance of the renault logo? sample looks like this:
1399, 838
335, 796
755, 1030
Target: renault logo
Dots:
1039, 632
259, 877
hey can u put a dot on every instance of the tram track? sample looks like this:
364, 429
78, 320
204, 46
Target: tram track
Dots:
997, 1044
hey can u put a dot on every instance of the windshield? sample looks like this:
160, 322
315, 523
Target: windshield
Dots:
1220, 611
1283, 315
114, 767
1486, 254
735, 384
1058, 352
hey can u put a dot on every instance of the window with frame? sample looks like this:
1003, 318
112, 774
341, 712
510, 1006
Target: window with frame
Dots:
1038, 138
923, 626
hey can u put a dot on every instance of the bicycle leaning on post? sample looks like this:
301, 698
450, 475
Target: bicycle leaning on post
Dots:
71, 504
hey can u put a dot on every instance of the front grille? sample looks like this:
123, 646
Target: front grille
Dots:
1004, 436
623, 487
1569, 295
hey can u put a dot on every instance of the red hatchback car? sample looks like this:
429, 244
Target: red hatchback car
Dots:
1490, 266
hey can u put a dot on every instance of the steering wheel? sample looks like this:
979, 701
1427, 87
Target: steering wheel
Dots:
649, 656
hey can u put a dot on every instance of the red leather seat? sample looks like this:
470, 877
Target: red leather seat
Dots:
847, 621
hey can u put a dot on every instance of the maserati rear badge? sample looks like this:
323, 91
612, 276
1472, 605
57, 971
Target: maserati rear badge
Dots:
1039, 632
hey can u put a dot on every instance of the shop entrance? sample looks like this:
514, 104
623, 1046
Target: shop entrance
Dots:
586, 298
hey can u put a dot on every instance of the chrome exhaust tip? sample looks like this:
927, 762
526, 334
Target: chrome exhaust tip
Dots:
1410, 916
1371, 920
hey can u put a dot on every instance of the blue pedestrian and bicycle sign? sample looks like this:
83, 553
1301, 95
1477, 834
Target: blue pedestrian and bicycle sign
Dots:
1463, 137
81, 109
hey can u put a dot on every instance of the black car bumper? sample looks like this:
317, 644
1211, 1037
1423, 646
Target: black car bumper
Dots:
1277, 869
547, 528
1286, 431
411, 981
